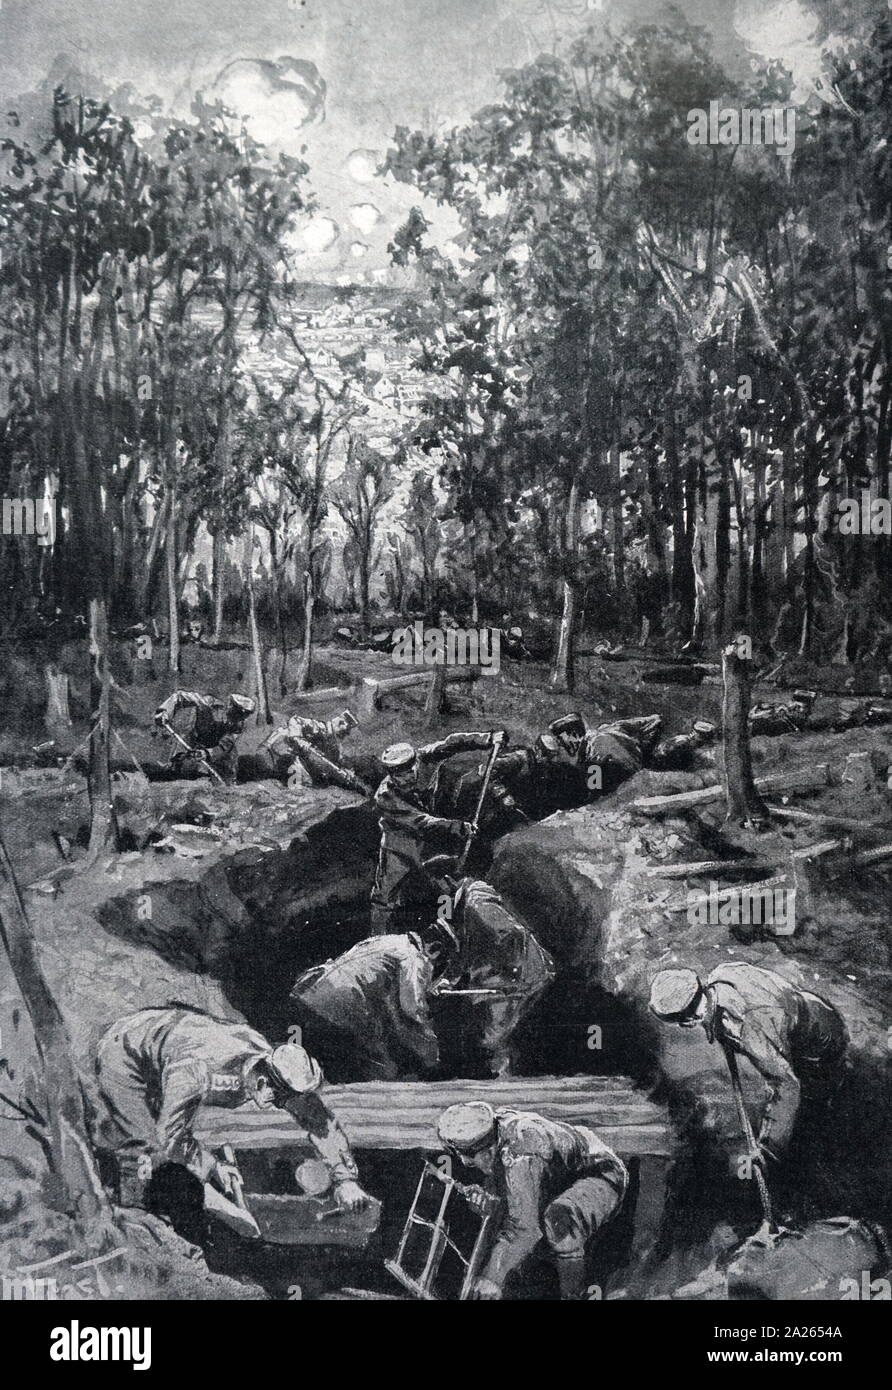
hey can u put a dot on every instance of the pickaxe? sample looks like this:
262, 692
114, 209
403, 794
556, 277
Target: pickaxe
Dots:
193, 753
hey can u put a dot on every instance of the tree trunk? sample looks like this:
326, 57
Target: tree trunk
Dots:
261, 694
173, 607
68, 1147
57, 718
744, 804
103, 822
306, 658
561, 678
435, 704
219, 563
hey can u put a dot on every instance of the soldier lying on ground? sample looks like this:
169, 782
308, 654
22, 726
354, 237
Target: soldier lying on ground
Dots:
794, 1039
408, 827
156, 1067
799, 714
501, 964
308, 752
366, 1014
609, 755
554, 1180
213, 738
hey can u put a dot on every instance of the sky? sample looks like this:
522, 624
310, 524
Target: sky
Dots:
336, 76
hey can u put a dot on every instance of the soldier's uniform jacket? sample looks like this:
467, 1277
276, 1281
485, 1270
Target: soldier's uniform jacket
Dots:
183, 1059
496, 950
211, 728
620, 749
378, 992
311, 743
407, 824
536, 1160
782, 1030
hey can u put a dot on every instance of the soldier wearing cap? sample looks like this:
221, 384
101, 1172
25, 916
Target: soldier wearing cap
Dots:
795, 1040
623, 747
555, 1180
214, 735
309, 751
407, 824
502, 965
156, 1067
525, 784
783, 718
367, 1012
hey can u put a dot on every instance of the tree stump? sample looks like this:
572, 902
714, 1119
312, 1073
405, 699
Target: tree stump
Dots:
745, 805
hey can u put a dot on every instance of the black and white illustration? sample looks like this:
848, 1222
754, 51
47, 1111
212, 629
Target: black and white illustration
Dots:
445, 650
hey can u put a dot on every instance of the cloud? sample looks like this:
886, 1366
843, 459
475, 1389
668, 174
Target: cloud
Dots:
319, 235
365, 217
358, 249
362, 165
277, 98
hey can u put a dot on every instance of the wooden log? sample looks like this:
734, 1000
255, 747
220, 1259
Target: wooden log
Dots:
707, 866
814, 818
403, 1115
788, 783
725, 895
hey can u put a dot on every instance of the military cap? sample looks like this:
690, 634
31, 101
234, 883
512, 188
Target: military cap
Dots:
548, 745
467, 1128
398, 756
567, 724
674, 994
292, 1068
243, 703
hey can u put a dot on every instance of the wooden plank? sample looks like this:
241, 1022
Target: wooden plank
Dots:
403, 1115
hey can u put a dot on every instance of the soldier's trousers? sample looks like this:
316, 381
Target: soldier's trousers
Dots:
127, 1127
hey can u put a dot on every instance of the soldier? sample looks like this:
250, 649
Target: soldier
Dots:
407, 825
794, 1039
525, 785
308, 751
555, 1180
156, 1067
785, 718
501, 965
213, 738
607, 756
367, 1013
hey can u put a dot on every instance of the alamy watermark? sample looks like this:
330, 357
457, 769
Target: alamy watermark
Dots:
742, 125
767, 906
865, 515
29, 516
447, 646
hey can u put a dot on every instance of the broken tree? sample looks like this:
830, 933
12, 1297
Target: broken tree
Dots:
744, 804
63, 1136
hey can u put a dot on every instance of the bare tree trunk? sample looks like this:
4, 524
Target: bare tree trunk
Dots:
103, 822
306, 658
67, 1145
264, 714
744, 804
173, 607
435, 704
219, 561
58, 717
561, 678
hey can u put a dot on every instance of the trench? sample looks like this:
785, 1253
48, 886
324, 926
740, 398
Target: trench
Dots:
255, 923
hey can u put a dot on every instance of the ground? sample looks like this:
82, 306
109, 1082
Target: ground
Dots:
248, 885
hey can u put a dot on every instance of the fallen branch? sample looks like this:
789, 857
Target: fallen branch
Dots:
815, 818
788, 784
707, 866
